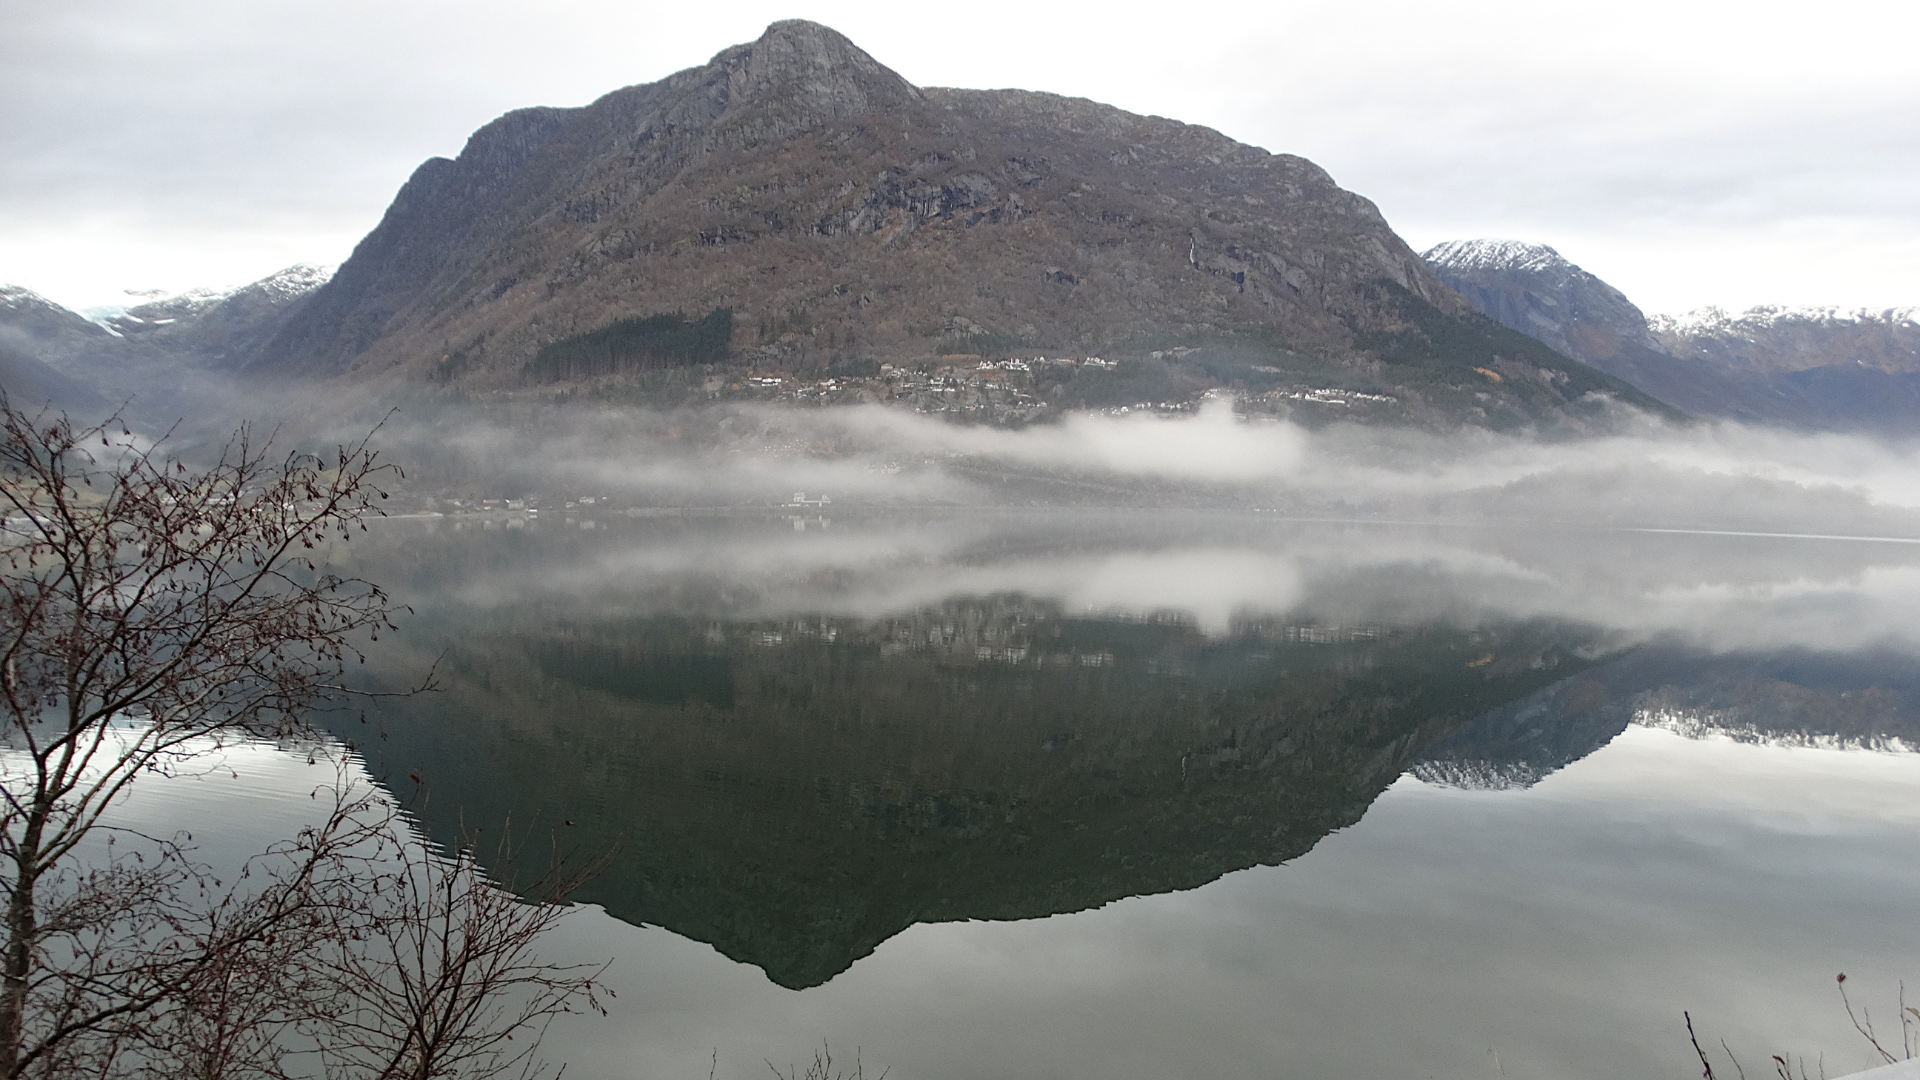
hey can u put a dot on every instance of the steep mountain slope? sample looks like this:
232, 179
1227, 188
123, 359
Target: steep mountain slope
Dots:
841, 212
1817, 368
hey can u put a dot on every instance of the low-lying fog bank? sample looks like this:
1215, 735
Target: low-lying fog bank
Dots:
1645, 473
1648, 474
1215, 570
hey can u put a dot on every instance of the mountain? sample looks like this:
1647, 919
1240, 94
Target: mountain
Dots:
1834, 369
35, 327
1531, 288
1814, 368
218, 329
839, 215
38, 338
1784, 339
165, 357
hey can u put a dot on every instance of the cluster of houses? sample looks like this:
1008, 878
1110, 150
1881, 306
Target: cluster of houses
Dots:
1000, 391
971, 386
1326, 396
528, 505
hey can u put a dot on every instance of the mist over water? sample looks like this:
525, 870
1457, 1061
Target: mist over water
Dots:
1211, 568
1647, 474
1805, 539
1187, 783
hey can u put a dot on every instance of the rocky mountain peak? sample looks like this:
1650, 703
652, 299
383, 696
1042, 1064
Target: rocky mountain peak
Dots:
1537, 291
801, 64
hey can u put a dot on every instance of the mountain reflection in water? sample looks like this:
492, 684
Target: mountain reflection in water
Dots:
798, 755
796, 792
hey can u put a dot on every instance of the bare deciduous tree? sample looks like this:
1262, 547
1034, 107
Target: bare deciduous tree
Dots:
442, 981
149, 614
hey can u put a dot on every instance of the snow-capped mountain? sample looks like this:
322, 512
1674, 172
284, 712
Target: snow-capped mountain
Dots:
1779, 338
259, 297
1813, 367
1466, 256
32, 325
1533, 289
38, 338
150, 352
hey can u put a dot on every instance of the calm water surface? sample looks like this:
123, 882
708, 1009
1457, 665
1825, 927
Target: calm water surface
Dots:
1130, 796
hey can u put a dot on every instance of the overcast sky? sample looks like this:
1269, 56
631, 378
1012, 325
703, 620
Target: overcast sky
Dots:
1690, 153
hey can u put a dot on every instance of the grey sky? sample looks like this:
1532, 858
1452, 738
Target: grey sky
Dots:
1690, 153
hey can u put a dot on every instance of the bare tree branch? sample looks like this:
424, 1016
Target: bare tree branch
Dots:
150, 614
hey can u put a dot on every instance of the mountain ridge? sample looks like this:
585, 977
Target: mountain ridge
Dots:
568, 171
165, 357
1820, 368
845, 217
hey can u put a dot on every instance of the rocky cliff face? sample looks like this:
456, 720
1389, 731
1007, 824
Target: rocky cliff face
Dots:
844, 213
1819, 368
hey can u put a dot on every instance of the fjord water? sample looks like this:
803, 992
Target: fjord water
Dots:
1001, 794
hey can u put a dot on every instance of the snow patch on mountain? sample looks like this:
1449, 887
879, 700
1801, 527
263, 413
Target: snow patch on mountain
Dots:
156, 307
1466, 255
296, 279
19, 297
1719, 323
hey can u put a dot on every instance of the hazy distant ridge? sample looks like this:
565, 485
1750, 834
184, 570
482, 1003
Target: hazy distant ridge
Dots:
1821, 368
158, 354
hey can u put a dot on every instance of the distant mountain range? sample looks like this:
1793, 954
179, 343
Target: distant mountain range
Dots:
1813, 368
795, 211
159, 354
1867, 700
